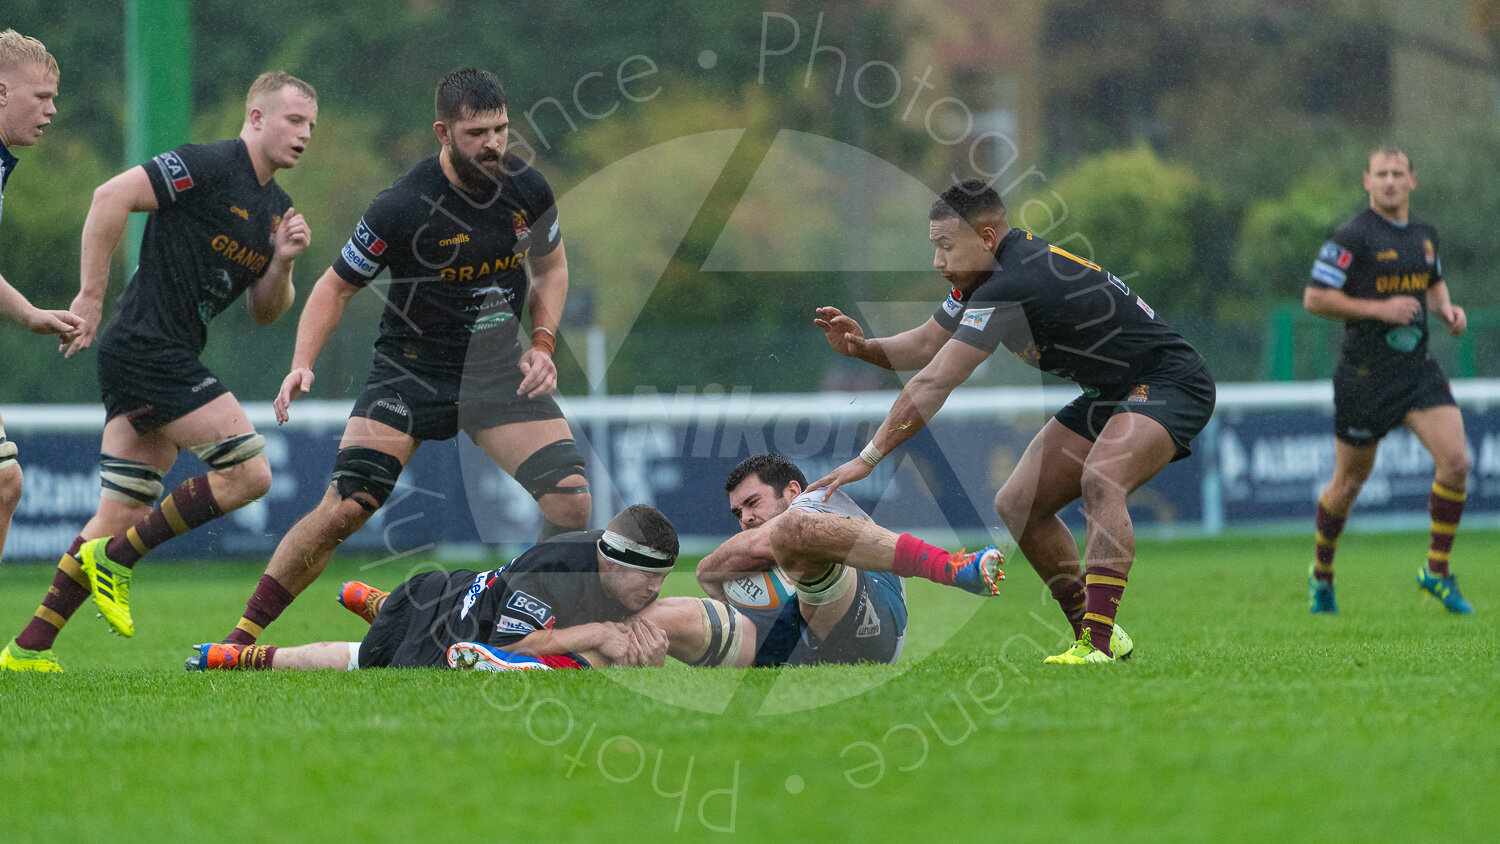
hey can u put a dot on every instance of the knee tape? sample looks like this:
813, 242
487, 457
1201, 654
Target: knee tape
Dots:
833, 585
230, 452
8, 449
551, 463
358, 469
130, 482
724, 637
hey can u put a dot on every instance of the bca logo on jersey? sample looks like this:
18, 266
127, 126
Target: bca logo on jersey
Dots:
1336, 255
367, 239
531, 607
176, 172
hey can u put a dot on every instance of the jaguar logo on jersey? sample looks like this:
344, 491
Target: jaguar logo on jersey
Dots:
521, 224
532, 608
977, 318
175, 171
368, 240
1142, 393
1429, 252
1336, 255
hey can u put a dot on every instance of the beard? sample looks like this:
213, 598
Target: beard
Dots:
475, 173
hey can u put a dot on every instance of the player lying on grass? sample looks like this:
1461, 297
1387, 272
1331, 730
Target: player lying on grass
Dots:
581, 600
845, 569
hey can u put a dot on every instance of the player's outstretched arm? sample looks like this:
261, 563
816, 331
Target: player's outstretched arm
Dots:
270, 295
320, 316
1336, 304
905, 352
15, 305
548, 294
920, 400
102, 229
746, 552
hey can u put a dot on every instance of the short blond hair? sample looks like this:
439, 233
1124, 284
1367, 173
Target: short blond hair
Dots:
17, 49
271, 83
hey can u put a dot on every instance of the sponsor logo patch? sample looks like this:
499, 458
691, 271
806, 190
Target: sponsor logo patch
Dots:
511, 624
368, 240
531, 607
175, 171
977, 318
1429, 252
481, 582
357, 262
1142, 392
520, 223
952, 306
1336, 255
1145, 307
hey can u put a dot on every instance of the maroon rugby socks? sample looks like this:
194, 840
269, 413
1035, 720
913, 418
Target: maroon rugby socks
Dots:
266, 604
1446, 507
1329, 526
1104, 588
190, 505
69, 589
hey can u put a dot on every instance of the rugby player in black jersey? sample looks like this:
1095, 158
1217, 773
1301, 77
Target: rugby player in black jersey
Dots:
1381, 274
583, 600
458, 233
220, 227
1147, 393
29, 78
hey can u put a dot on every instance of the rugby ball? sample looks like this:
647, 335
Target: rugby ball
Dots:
763, 590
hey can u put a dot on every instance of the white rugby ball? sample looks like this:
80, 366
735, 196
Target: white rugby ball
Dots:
763, 590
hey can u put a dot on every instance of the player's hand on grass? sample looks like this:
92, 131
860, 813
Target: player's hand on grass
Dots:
292, 236
538, 374
297, 383
88, 311
62, 323
1455, 317
843, 333
649, 641
1399, 310
855, 470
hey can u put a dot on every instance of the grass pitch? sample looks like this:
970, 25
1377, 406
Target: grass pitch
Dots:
1241, 717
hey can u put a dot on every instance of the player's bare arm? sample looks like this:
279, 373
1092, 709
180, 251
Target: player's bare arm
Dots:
102, 229
320, 316
15, 305
549, 291
921, 398
270, 295
905, 352
1452, 315
1336, 304
611, 639
746, 552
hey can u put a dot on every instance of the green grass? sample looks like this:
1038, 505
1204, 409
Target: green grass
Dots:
1242, 717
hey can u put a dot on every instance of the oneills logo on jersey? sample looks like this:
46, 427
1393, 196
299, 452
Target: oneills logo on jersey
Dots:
1387, 255
176, 173
977, 318
242, 213
454, 240
368, 240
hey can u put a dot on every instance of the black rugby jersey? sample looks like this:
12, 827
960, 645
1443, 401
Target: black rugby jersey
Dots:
1369, 257
212, 235
1065, 316
554, 584
8, 164
457, 262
